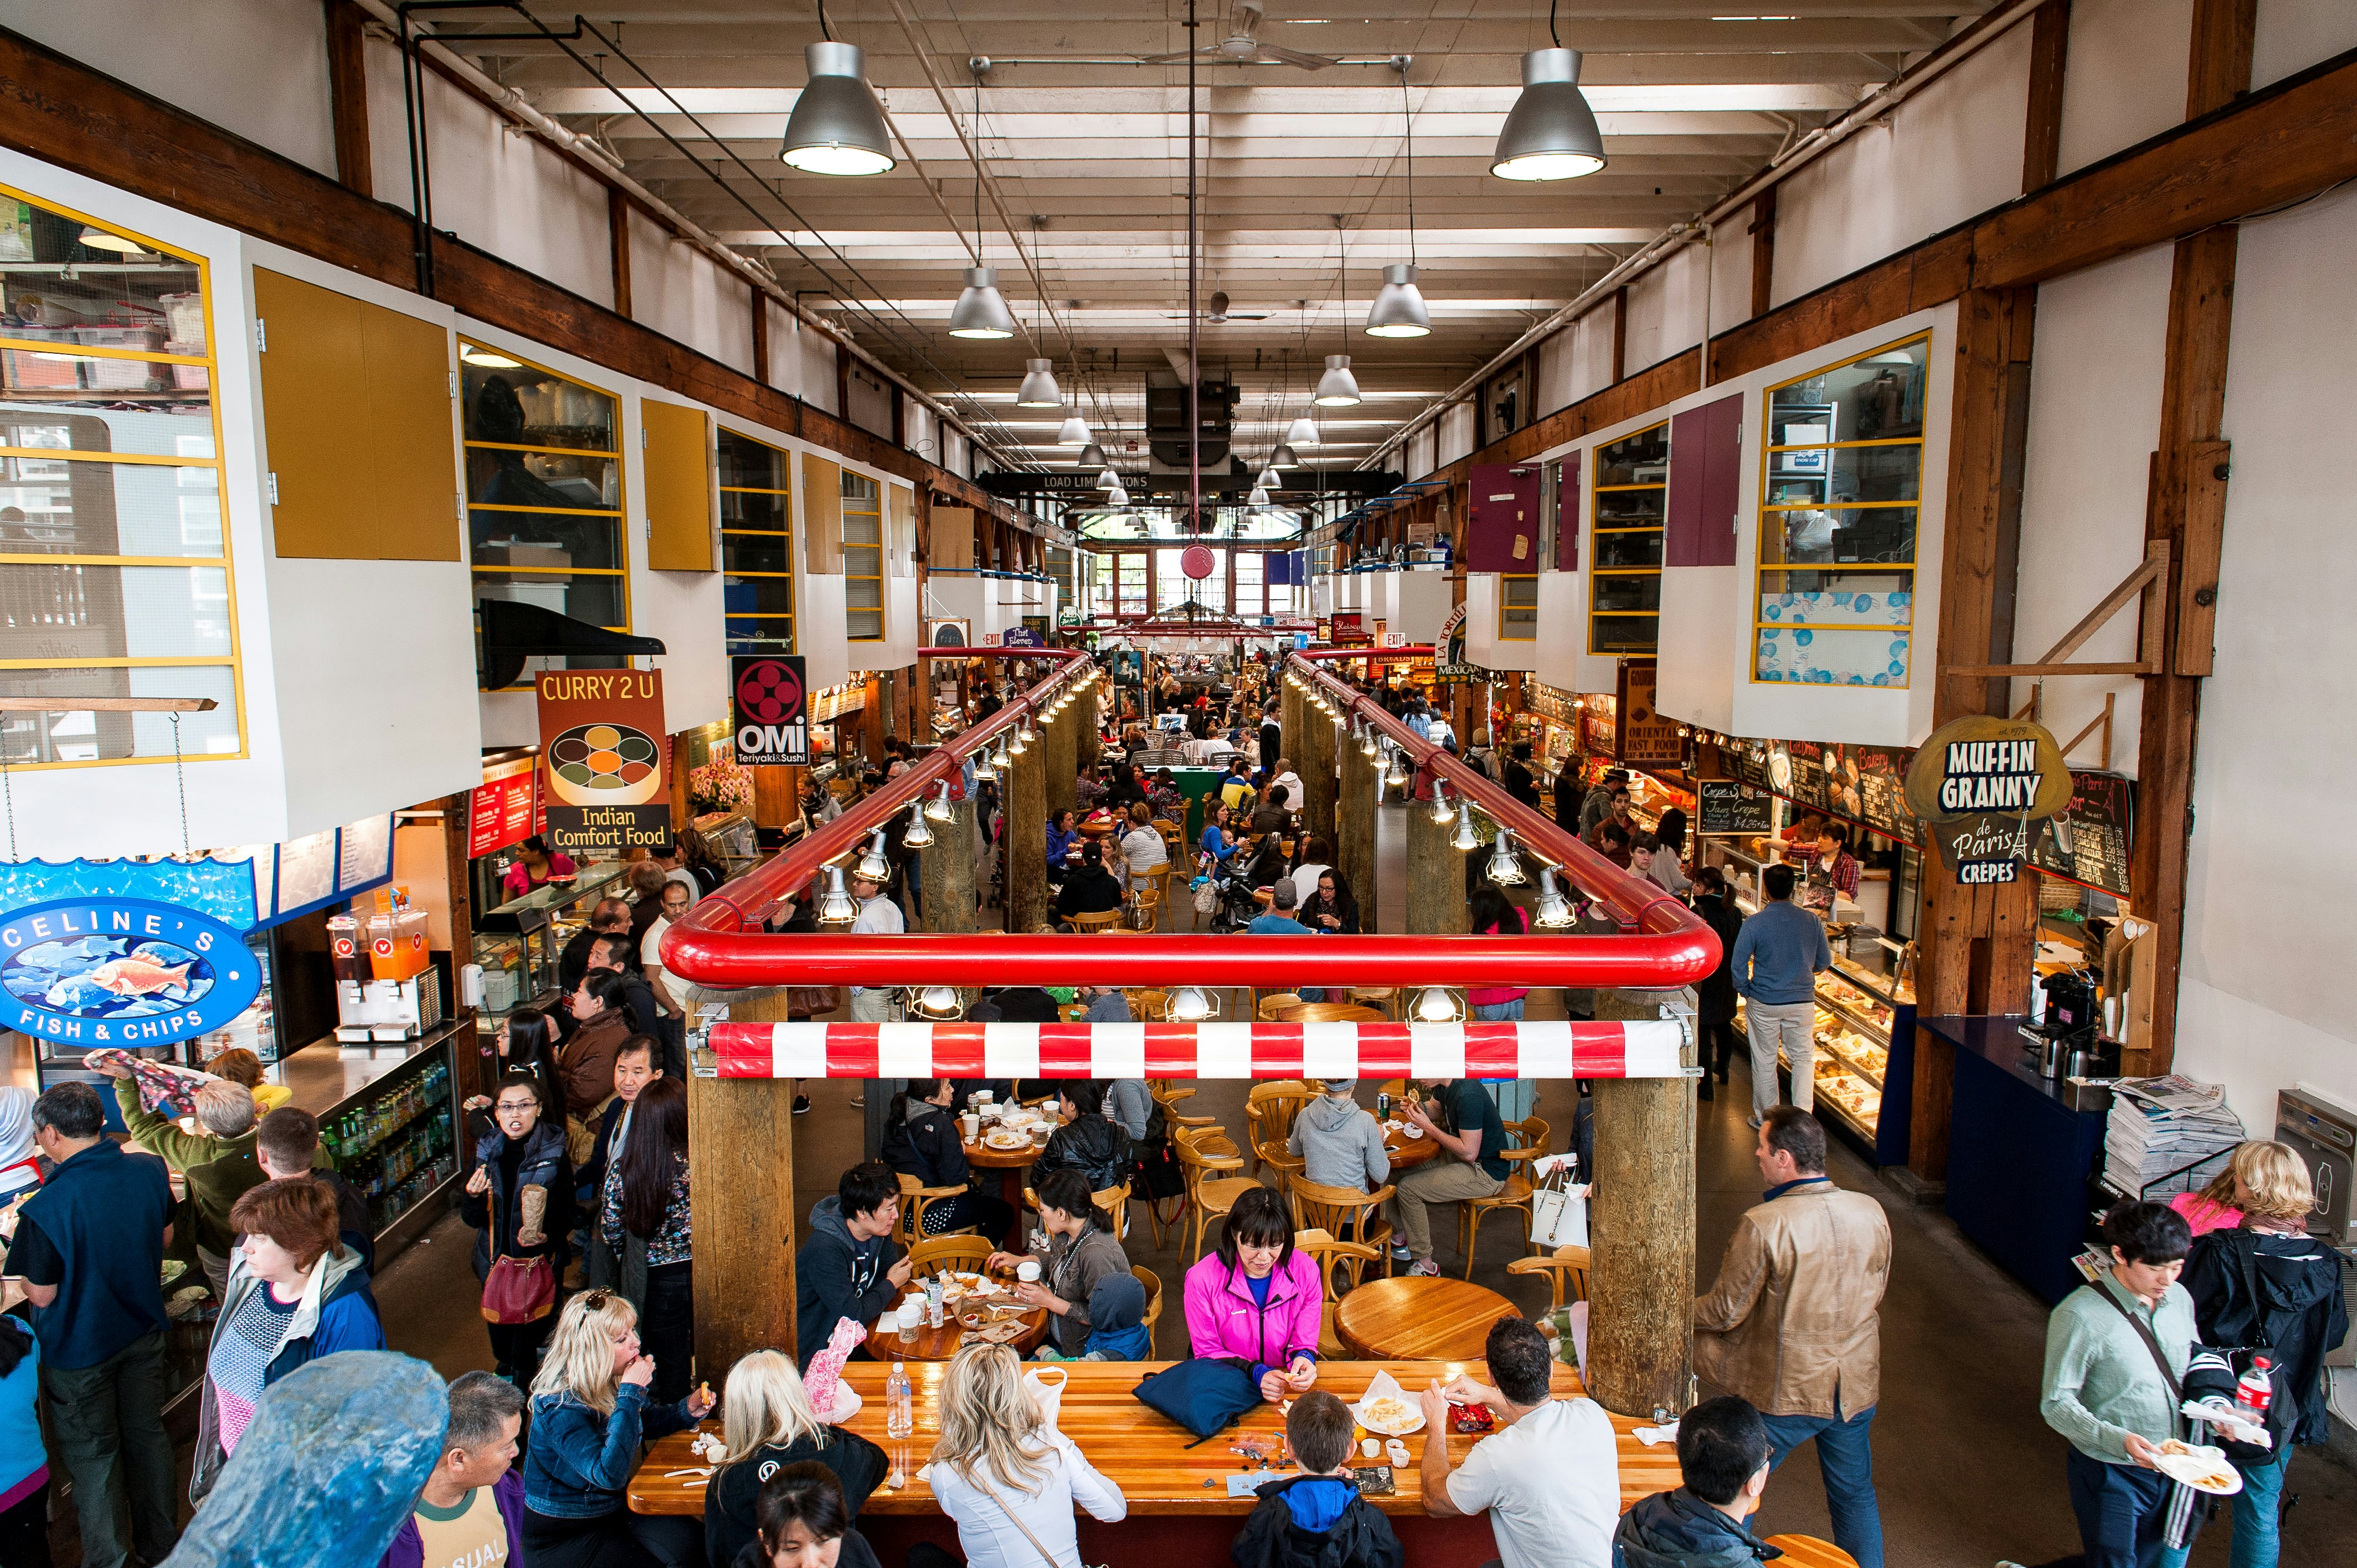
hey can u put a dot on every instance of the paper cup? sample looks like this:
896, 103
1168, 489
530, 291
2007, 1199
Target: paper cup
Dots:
972, 1125
1028, 1270
1370, 1449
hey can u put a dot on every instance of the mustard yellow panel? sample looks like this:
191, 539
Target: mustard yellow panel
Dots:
821, 516
679, 487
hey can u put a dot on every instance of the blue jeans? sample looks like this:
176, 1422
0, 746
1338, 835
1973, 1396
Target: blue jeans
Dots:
1846, 1456
2123, 1512
2257, 1513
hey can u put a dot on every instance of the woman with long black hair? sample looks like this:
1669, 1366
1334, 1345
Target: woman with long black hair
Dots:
644, 1215
921, 1140
1083, 1250
529, 1041
1332, 909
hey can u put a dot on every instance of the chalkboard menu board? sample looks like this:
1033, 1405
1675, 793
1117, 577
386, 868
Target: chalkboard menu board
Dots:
1808, 763
1882, 773
1746, 764
1731, 806
2088, 842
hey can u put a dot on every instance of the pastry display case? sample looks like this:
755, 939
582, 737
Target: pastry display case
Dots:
517, 941
1865, 1057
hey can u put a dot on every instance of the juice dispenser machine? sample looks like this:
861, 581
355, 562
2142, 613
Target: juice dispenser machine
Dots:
383, 968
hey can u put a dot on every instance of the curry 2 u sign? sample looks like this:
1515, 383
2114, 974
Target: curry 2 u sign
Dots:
1985, 788
772, 698
604, 757
92, 973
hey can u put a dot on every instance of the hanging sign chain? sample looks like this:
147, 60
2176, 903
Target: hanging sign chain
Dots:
8, 797
180, 773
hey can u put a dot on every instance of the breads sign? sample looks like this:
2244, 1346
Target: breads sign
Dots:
1986, 787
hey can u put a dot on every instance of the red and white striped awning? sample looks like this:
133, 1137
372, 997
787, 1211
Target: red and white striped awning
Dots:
1238, 1050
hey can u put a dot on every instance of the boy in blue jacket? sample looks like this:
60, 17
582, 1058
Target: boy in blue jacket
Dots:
1118, 1330
1318, 1520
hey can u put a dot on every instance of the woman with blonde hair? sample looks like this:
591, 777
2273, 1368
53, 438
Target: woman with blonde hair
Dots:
1007, 1477
768, 1424
2264, 1286
2272, 1174
590, 1419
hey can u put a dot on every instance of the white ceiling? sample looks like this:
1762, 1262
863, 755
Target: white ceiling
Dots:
1084, 154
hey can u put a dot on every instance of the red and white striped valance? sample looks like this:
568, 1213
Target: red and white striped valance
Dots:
1528, 1050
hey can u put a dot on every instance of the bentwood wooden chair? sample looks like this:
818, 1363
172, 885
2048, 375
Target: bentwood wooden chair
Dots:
1328, 1254
1112, 1200
1148, 1007
1089, 923
916, 1198
948, 1254
1385, 997
1268, 1009
1153, 1283
1810, 1551
1529, 1142
1338, 1209
1269, 1112
1209, 1157
1567, 1271
1154, 880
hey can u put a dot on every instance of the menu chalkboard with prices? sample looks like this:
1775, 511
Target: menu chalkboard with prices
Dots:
1748, 764
1731, 806
1881, 787
2088, 842
1808, 763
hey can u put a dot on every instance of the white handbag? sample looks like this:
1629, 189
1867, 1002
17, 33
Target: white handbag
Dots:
1559, 1208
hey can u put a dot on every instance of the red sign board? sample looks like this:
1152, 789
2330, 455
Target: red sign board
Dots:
504, 808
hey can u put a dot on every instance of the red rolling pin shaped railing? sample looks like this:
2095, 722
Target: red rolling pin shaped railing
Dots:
722, 943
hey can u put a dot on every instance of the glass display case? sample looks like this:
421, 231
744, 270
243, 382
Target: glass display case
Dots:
398, 1142
517, 941
1864, 1063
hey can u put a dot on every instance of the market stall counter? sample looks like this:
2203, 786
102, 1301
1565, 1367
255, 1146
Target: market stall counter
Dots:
389, 1116
1181, 1505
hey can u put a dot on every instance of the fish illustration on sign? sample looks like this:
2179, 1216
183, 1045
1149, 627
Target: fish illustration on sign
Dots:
107, 976
138, 976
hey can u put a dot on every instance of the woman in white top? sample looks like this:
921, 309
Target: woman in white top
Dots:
1142, 848
1316, 860
1007, 1477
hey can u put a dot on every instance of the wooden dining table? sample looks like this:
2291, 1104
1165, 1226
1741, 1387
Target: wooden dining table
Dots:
1175, 1485
1407, 1153
1330, 1013
886, 1342
1010, 1165
1428, 1317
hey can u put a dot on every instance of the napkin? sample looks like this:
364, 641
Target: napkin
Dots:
1385, 1386
1650, 1436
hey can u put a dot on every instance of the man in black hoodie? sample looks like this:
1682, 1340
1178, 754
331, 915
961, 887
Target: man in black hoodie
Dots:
850, 1267
1317, 1519
1723, 1453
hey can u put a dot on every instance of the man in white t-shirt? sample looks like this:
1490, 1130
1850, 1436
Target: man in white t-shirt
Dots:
1286, 779
880, 915
676, 901
1549, 1478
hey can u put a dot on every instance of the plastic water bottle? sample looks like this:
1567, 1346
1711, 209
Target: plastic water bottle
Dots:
899, 1408
2254, 1390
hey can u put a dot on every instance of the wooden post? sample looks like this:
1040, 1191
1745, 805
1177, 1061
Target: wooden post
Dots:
1316, 770
1436, 880
761, 349
618, 242
348, 95
1060, 751
2192, 408
1619, 334
2049, 53
947, 866
1354, 830
1640, 1334
1086, 733
1293, 726
741, 1159
1763, 250
1024, 838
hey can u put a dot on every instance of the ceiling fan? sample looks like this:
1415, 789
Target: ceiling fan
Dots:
1241, 47
1218, 311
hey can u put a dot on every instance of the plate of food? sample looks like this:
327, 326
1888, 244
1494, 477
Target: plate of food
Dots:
1391, 1415
2204, 1469
1004, 1141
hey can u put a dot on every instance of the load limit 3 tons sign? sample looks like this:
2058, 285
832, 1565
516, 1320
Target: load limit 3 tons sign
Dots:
1986, 787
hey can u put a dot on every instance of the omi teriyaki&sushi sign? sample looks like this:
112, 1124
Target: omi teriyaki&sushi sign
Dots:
100, 970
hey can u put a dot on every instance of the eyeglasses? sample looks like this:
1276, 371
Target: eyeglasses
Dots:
505, 1105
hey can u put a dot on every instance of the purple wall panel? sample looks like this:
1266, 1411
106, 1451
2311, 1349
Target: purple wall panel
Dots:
1503, 520
1706, 480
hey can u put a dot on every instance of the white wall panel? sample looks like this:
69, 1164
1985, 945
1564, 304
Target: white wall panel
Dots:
817, 352
2125, 79
1455, 437
689, 297
1665, 308
1730, 273
1563, 623
1592, 370
2263, 999
1555, 354
255, 67
784, 371
1951, 150
2292, 34
2094, 419
1419, 453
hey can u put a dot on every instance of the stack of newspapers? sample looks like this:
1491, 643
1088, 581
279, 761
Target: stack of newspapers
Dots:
2167, 1135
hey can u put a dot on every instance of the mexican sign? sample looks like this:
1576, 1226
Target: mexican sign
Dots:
771, 710
604, 755
1986, 787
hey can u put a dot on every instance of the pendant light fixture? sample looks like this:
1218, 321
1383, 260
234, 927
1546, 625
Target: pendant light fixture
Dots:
1504, 868
1398, 310
835, 907
1284, 457
1338, 387
1117, 496
936, 1003
1550, 134
916, 835
981, 310
1040, 389
1075, 430
1444, 810
1302, 432
1192, 1004
1092, 456
985, 768
836, 127
1554, 910
1268, 480
1259, 497
1108, 480
941, 811
1468, 835
94, 237
873, 866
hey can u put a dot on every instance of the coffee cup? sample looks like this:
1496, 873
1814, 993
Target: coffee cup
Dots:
1028, 1270
911, 1317
971, 1123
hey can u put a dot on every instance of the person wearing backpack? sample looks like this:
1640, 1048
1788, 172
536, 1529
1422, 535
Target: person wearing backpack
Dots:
2266, 1288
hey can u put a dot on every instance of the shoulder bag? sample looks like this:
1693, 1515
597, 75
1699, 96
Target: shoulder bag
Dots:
519, 1290
2159, 1356
1016, 1519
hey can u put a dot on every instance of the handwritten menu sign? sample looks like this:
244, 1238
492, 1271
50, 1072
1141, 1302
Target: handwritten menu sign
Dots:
1731, 806
1808, 768
2088, 841
1881, 779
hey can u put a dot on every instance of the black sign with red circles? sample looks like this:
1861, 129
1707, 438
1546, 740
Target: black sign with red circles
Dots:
769, 695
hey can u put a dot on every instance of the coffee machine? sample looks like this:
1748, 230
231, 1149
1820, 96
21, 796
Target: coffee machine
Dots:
2066, 1038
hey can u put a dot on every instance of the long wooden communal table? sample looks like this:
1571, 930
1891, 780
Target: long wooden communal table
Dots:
1178, 1505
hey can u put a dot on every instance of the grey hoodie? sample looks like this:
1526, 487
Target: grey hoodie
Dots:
836, 1277
1340, 1145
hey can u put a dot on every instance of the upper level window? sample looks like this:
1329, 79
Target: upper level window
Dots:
115, 576
1518, 610
544, 496
1628, 509
1842, 476
863, 558
757, 538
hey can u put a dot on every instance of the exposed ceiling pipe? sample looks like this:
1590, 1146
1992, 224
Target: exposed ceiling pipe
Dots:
1794, 156
508, 102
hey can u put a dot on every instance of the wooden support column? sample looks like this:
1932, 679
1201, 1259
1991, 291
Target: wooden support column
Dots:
1354, 830
1619, 334
761, 346
1316, 771
741, 1159
1024, 838
1293, 723
618, 243
2187, 499
1763, 250
1086, 730
1641, 1336
348, 95
947, 867
1435, 881
1060, 746
1977, 944
2049, 53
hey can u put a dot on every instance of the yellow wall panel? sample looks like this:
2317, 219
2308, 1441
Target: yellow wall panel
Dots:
821, 516
356, 410
950, 549
679, 487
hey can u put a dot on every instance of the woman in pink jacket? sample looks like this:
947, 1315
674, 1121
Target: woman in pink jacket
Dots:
1255, 1300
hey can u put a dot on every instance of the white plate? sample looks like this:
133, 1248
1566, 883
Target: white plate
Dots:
2196, 1466
1414, 1422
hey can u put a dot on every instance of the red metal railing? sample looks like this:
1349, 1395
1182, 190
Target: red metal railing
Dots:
721, 941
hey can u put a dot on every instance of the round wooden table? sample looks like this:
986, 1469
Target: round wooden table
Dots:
931, 1344
1010, 1165
1330, 1013
1423, 1317
1407, 1153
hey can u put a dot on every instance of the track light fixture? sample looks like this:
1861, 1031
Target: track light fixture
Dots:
917, 835
835, 907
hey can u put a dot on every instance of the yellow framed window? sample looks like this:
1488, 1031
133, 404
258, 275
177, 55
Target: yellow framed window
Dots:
1250, 591
1518, 609
1628, 505
1130, 584
1841, 484
115, 576
756, 546
544, 496
863, 558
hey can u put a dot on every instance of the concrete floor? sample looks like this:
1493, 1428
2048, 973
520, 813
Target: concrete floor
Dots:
1966, 1472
